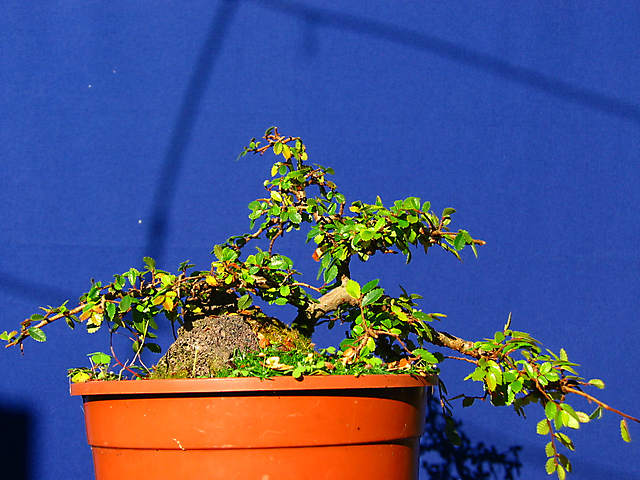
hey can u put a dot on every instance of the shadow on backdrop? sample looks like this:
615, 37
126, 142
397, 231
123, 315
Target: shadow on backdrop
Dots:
313, 17
443, 461
15, 440
45, 294
169, 173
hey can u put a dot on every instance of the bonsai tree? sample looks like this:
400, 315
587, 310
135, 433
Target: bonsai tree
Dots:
220, 331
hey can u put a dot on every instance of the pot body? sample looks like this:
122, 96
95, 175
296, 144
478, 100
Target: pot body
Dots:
331, 427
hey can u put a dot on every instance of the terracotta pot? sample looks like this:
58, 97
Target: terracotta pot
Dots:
330, 427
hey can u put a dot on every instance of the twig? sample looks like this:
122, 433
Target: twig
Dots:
600, 403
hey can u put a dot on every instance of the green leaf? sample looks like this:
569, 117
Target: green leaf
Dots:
548, 449
468, 401
597, 414
561, 473
111, 310
280, 262
565, 440
294, 216
331, 273
37, 334
550, 465
149, 262
100, 358
459, 242
370, 285
564, 461
153, 347
412, 203
426, 355
624, 431
597, 383
125, 303
550, 410
372, 296
244, 302
353, 288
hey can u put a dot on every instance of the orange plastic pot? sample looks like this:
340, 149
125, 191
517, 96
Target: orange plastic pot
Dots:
330, 427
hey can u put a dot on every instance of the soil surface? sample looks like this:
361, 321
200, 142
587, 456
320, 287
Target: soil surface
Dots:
206, 347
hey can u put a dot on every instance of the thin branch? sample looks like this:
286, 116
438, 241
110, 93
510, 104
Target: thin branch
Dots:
600, 403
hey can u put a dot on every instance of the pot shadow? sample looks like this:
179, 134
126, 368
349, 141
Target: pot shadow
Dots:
441, 460
15, 438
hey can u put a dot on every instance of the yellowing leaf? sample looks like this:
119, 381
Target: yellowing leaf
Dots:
158, 300
624, 431
168, 304
286, 152
211, 280
81, 377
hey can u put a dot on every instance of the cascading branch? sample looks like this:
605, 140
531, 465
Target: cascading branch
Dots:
386, 334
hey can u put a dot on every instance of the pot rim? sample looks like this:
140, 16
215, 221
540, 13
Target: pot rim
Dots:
249, 384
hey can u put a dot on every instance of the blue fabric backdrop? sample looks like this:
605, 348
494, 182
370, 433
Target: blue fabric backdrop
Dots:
120, 123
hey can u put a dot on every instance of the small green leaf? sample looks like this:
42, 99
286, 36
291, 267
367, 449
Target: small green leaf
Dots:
331, 273
597, 414
353, 288
561, 473
624, 431
372, 296
548, 449
597, 383
542, 428
244, 302
111, 310
37, 334
153, 347
149, 262
459, 242
565, 440
370, 285
125, 303
550, 410
100, 358
550, 465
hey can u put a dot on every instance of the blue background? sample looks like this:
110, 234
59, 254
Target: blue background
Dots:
120, 123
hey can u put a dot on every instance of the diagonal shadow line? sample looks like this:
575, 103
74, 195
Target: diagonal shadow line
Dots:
466, 56
27, 289
167, 185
